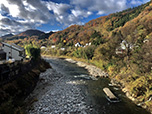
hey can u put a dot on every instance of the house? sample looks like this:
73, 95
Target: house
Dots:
78, 45
146, 41
53, 46
43, 47
2, 56
120, 50
125, 45
62, 49
13, 51
87, 44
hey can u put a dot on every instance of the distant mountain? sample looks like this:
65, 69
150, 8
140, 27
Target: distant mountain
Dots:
7, 36
31, 32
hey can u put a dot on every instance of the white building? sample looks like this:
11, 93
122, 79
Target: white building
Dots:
88, 44
53, 46
43, 47
62, 49
78, 45
13, 51
146, 41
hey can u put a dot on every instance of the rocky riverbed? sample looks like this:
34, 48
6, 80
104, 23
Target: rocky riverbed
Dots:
58, 94
71, 89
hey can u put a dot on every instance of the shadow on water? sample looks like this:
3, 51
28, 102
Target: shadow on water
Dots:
92, 89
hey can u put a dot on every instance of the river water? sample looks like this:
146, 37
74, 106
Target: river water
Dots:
69, 89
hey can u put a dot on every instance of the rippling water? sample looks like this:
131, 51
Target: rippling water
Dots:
69, 89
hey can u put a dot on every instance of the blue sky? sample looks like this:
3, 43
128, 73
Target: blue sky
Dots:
52, 15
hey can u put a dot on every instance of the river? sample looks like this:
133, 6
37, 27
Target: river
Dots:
69, 89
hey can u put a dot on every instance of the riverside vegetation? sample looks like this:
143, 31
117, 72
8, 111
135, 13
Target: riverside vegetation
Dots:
121, 44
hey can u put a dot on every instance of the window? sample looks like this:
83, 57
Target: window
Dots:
20, 53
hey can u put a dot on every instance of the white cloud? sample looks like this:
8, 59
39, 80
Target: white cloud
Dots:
59, 9
19, 15
28, 7
65, 14
12, 8
22, 14
55, 30
138, 2
101, 6
80, 13
135, 2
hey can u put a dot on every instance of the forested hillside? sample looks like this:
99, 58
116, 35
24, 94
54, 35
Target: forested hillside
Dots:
100, 27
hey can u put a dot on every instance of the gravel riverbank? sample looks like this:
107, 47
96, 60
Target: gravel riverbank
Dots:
93, 70
56, 93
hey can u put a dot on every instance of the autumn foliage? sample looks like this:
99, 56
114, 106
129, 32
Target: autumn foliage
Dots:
121, 44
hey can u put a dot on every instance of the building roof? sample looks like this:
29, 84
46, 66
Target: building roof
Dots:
14, 46
17, 46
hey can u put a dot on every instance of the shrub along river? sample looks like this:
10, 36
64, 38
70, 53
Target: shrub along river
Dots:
69, 89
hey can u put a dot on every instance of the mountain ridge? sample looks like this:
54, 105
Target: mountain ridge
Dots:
6, 36
31, 32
